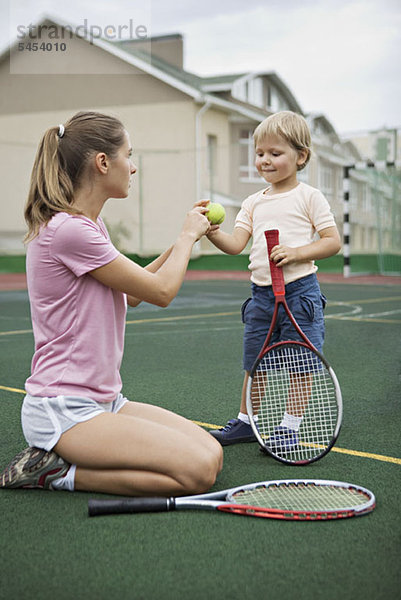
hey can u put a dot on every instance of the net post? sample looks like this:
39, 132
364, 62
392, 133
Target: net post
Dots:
346, 222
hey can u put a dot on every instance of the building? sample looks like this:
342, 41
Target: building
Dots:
379, 145
192, 136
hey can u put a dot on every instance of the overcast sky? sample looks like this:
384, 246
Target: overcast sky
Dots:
340, 58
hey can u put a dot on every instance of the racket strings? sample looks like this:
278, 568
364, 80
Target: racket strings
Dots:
293, 379
301, 497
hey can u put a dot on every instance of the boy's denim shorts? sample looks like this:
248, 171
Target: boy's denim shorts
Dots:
306, 303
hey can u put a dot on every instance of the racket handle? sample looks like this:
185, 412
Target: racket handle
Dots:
272, 239
129, 506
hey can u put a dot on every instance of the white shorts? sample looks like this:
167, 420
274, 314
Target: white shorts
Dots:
44, 420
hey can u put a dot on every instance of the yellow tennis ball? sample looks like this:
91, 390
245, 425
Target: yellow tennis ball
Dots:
216, 213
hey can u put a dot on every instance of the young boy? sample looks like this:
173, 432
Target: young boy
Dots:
298, 211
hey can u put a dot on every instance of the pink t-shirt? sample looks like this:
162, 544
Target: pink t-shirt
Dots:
78, 322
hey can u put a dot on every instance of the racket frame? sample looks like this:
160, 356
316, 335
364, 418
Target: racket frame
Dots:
223, 501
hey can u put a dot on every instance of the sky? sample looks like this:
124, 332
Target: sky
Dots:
339, 58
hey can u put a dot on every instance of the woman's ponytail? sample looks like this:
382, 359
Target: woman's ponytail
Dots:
51, 189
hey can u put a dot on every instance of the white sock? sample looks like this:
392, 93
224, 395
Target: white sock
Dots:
67, 482
291, 421
244, 418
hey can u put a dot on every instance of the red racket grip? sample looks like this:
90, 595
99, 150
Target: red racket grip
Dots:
271, 236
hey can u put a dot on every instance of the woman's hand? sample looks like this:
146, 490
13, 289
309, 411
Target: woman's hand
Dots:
196, 223
204, 205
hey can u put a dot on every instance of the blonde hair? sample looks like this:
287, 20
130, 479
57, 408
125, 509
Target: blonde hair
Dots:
290, 126
61, 162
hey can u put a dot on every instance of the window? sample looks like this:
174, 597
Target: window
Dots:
340, 186
382, 148
256, 94
247, 169
354, 195
211, 161
259, 92
274, 101
326, 180
365, 199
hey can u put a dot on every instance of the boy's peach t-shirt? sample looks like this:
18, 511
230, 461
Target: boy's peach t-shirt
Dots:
297, 214
78, 322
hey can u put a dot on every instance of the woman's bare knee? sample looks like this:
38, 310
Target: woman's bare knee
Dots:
203, 471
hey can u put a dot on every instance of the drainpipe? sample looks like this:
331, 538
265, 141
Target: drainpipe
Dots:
198, 148
198, 160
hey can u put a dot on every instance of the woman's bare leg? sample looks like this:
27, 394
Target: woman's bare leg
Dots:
170, 419
141, 450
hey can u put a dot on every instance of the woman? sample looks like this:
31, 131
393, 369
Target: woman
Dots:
83, 434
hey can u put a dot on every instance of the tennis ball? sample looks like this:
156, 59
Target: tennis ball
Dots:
216, 213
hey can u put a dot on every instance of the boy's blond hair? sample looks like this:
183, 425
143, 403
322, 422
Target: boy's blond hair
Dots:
291, 126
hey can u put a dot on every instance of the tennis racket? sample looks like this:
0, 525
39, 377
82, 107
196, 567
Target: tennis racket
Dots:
294, 499
292, 377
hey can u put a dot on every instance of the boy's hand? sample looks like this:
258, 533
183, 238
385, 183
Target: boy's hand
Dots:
213, 230
328, 245
283, 255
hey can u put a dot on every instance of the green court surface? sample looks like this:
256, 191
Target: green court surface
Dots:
188, 358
